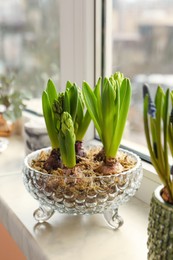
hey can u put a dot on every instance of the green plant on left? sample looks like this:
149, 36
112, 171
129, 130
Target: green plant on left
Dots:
66, 120
11, 100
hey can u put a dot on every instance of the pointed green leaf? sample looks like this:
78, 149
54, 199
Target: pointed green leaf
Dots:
49, 121
83, 126
159, 99
67, 140
124, 108
51, 91
67, 102
68, 85
165, 127
97, 92
91, 104
108, 96
71, 99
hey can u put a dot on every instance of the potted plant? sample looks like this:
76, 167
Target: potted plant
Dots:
11, 105
76, 178
158, 125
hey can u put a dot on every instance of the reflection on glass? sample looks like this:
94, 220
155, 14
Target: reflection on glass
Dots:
143, 50
29, 45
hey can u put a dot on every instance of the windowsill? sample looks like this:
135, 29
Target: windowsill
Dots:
74, 237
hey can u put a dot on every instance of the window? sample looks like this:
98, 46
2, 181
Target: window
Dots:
29, 46
42, 39
139, 40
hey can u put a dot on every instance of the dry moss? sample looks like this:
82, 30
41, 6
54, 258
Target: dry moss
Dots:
88, 166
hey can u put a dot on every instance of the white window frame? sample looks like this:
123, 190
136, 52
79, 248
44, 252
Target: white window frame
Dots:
77, 44
80, 59
76, 41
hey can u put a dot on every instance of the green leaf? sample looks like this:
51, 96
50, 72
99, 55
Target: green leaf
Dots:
97, 92
108, 96
91, 104
165, 127
67, 141
170, 126
148, 138
124, 108
72, 95
116, 106
70, 149
159, 99
51, 91
69, 84
79, 112
49, 121
67, 102
83, 126
62, 148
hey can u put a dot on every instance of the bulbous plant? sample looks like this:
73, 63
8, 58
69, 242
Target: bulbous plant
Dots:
66, 121
108, 105
158, 126
96, 180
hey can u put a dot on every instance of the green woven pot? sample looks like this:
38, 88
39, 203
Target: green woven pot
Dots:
160, 228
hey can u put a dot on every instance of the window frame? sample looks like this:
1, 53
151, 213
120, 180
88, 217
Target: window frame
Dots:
77, 41
78, 45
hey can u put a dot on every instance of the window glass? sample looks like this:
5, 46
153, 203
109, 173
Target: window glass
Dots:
142, 48
29, 42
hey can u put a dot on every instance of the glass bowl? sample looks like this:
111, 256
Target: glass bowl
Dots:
85, 195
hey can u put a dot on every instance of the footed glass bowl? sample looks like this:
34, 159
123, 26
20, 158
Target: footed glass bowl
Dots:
85, 195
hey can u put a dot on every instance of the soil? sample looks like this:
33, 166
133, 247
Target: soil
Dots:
91, 163
93, 182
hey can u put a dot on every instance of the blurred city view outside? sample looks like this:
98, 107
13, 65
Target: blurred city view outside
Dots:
29, 46
142, 38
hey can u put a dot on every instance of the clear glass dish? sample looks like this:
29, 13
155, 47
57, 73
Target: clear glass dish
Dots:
86, 195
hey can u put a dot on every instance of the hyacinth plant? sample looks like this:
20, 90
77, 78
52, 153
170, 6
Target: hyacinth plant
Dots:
158, 126
108, 105
66, 121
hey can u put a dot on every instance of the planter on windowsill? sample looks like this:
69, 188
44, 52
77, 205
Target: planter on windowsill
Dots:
82, 190
70, 179
158, 125
160, 228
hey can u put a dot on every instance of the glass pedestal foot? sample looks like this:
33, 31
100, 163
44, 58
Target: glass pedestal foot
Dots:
113, 219
43, 213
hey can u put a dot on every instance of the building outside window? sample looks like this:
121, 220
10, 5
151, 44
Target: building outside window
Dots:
29, 42
142, 48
